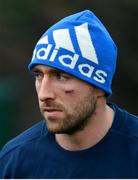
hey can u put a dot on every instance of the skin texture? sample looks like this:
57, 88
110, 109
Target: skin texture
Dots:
71, 108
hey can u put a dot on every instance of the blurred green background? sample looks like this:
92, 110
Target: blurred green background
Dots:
22, 22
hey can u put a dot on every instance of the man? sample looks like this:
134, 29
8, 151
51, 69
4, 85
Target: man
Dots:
82, 136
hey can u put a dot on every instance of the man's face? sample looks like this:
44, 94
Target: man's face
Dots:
66, 102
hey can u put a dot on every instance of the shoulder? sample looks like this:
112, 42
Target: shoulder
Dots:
28, 135
125, 122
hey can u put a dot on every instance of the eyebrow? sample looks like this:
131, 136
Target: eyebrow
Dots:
35, 69
52, 70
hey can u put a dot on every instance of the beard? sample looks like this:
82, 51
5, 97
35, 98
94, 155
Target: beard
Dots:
76, 115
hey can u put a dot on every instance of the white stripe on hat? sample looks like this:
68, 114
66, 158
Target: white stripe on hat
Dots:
85, 43
62, 39
43, 40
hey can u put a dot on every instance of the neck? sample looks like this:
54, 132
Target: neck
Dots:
92, 133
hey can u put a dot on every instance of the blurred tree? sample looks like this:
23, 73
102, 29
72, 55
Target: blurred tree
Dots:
21, 24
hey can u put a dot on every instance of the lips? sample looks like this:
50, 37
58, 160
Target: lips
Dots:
52, 111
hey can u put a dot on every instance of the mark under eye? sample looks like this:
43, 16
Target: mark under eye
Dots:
69, 91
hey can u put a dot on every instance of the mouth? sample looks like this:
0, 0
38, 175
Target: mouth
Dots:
52, 112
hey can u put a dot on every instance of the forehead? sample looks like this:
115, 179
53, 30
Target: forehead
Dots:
44, 68
50, 70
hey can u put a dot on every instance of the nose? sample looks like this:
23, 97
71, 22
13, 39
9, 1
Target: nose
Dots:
45, 90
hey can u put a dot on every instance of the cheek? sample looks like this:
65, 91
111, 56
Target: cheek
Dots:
66, 92
36, 86
69, 88
73, 90
71, 95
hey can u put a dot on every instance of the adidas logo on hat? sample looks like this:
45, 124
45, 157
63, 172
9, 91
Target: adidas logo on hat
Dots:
81, 46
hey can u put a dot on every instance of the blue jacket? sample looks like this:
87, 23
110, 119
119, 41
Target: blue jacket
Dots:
35, 154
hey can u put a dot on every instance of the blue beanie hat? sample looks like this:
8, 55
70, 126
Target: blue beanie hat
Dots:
81, 46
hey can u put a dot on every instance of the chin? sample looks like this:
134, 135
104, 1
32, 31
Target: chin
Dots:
69, 131
57, 130
53, 128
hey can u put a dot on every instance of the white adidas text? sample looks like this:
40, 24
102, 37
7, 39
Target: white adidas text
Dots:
48, 54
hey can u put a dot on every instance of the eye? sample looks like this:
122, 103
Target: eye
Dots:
37, 75
62, 76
